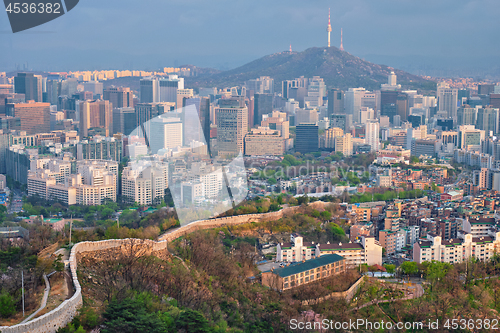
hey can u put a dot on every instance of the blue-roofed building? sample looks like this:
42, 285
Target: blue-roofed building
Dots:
3, 198
297, 274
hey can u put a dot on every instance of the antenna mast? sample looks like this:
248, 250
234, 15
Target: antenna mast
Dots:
329, 28
341, 42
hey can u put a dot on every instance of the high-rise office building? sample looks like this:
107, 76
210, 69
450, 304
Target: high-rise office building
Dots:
149, 88
10, 99
181, 95
485, 89
372, 134
30, 85
262, 85
308, 116
202, 134
10, 123
469, 136
306, 138
335, 102
295, 89
447, 100
487, 120
232, 126
70, 87
316, 90
466, 115
352, 101
4, 147
124, 120
95, 87
35, 117
263, 104
445, 124
165, 133
495, 100
167, 89
147, 111
53, 90
356, 98
343, 121
416, 120
388, 100
463, 94
95, 114
402, 106
119, 97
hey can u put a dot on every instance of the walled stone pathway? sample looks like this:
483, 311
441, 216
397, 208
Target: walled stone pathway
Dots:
44, 300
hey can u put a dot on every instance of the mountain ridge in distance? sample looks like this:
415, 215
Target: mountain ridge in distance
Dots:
339, 69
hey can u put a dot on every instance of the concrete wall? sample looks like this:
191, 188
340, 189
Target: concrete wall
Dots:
64, 313
235, 220
348, 294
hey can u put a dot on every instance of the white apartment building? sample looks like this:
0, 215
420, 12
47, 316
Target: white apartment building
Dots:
38, 183
384, 180
144, 181
478, 226
137, 149
295, 251
94, 181
400, 240
165, 133
478, 239
412, 233
456, 250
368, 251
208, 175
192, 192
63, 193
95, 195
372, 134
344, 144
366, 114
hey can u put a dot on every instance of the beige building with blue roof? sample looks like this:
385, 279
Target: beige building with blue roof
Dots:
297, 274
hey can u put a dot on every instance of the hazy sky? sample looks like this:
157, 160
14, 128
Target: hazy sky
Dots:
149, 34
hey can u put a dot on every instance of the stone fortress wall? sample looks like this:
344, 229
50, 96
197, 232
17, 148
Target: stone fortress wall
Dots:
64, 313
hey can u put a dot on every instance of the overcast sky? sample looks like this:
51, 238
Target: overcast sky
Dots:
149, 34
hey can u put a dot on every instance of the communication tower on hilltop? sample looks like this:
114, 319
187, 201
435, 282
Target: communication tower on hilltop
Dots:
341, 44
329, 29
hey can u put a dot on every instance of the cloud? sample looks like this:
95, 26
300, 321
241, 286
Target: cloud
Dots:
215, 32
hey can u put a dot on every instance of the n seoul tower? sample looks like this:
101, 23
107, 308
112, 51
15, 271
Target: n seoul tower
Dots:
341, 43
329, 29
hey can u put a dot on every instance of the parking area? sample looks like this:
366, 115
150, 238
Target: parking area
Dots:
267, 266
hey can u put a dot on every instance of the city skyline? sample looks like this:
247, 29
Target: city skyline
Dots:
433, 34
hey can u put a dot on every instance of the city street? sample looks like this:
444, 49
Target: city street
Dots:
17, 204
